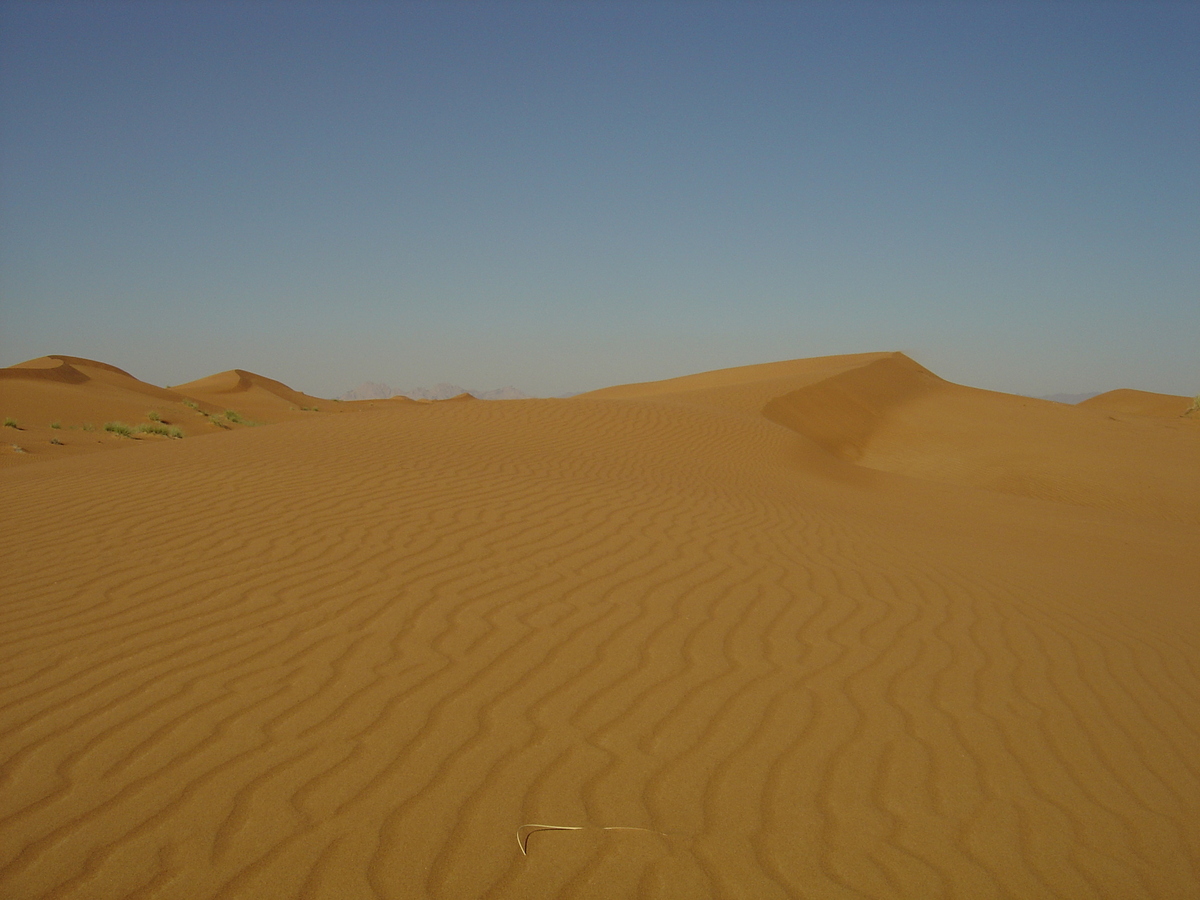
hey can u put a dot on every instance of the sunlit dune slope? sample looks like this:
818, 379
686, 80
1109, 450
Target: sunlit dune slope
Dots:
1139, 403
741, 637
61, 403
73, 390
745, 388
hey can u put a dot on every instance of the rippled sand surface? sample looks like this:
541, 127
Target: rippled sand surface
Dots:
831, 628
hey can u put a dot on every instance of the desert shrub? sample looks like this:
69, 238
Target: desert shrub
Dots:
10, 422
233, 417
119, 428
56, 425
159, 428
153, 416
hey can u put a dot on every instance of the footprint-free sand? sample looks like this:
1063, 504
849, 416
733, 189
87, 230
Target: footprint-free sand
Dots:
830, 628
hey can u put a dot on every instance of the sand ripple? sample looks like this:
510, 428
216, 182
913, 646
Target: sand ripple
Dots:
350, 660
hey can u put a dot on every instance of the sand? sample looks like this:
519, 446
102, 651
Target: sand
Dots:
59, 406
830, 628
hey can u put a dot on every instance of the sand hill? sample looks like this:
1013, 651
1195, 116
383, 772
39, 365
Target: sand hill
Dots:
71, 389
58, 406
1140, 403
253, 395
825, 628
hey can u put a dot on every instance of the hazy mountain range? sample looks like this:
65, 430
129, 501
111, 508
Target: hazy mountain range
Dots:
1070, 398
374, 390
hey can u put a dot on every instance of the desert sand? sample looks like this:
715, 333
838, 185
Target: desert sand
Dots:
58, 406
827, 628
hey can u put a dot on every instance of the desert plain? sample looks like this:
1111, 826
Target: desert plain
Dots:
825, 628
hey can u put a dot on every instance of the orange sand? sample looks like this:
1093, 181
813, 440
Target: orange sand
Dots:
829, 628
61, 404
1140, 403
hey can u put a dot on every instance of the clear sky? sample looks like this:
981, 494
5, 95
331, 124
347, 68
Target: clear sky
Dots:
566, 195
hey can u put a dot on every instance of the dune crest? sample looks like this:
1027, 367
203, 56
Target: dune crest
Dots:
257, 395
62, 405
1139, 403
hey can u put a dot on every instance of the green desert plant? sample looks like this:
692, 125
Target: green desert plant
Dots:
119, 428
153, 416
1195, 407
191, 404
56, 425
232, 416
56, 441
89, 427
10, 422
159, 428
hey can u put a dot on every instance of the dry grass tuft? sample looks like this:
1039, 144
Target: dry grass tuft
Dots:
524, 831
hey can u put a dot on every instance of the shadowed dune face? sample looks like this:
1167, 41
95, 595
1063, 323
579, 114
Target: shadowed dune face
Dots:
351, 656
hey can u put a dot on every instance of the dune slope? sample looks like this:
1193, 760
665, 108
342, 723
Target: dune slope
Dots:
59, 405
741, 654
1139, 403
73, 389
253, 395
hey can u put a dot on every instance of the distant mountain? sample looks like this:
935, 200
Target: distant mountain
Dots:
1070, 398
504, 393
443, 390
370, 390
373, 390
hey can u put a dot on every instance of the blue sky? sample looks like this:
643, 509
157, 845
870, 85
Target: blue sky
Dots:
563, 196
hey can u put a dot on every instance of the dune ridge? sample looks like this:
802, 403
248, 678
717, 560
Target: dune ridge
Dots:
61, 404
74, 370
259, 389
1139, 403
353, 661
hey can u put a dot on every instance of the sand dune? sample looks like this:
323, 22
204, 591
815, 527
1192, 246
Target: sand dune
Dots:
72, 389
1139, 403
825, 629
61, 403
254, 395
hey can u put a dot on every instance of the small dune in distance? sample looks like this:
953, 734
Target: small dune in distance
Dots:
64, 405
821, 628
